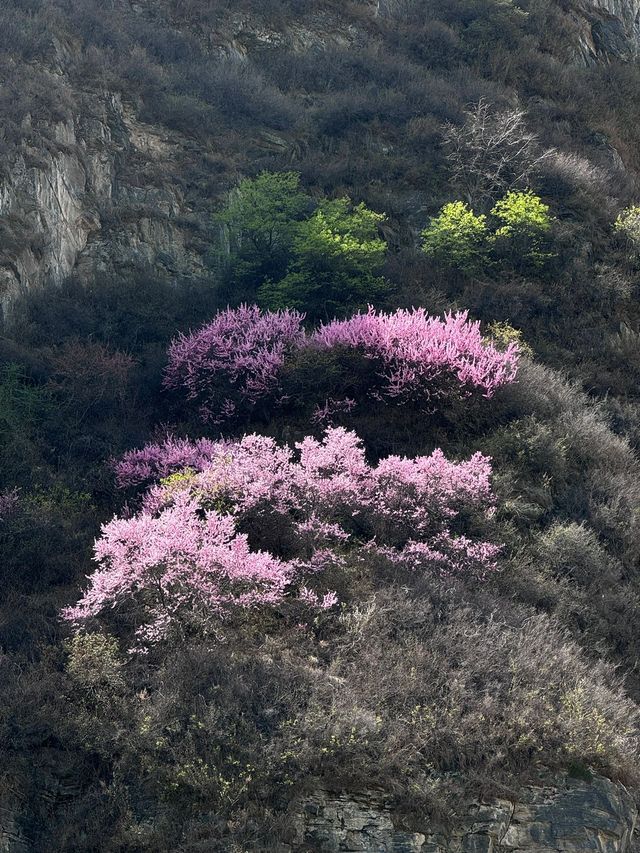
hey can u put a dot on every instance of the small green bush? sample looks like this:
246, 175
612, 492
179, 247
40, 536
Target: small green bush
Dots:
457, 237
627, 225
524, 226
503, 334
521, 213
94, 663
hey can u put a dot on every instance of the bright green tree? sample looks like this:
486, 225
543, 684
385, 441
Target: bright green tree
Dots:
336, 260
524, 226
521, 212
520, 236
261, 221
457, 237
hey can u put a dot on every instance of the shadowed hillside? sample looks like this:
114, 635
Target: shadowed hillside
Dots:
319, 503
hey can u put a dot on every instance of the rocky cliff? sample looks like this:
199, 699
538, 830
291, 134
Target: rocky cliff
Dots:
102, 192
571, 816
608, 29
568, 816
100, 196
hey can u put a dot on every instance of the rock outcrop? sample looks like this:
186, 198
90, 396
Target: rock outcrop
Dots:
607, 29
97, 197
571, 816
568, 816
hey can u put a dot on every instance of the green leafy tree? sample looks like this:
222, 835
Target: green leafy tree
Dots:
521, 212
261, 221
522, 236
336, 260
289, 251
457, 237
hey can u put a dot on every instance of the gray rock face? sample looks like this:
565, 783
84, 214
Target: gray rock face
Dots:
97, 198
607, 29
573, 816
604, 29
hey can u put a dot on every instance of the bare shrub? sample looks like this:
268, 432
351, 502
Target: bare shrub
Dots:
491, 152
543, 392
566, 172
424, 687
87, 374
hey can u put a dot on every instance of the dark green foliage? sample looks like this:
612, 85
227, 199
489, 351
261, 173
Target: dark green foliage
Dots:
23, 408
336, 259
262, 220
287, 251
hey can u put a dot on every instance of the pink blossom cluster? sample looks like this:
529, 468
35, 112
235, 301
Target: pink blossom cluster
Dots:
156, 461
9, 501
417, 355
183, 563
211, 541
235, 360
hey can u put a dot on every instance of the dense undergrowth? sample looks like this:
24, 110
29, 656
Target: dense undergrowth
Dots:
391, 633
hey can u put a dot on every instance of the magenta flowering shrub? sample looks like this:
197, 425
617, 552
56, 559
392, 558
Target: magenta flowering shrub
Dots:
239, 359
419, 357
156, 461
252, 524
181, 565
9, 501
234, 361
235, 525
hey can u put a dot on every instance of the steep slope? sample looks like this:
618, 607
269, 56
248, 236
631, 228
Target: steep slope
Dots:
613, 29
425, 712
116, 147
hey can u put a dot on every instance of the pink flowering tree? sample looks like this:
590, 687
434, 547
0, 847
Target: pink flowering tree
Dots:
179, 567
232, 526
251, 524
9, 502
417, 358
235, 361
405, 357
155, 461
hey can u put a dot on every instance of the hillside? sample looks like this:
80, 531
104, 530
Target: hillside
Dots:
355, 568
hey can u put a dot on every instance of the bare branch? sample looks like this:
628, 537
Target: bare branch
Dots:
492, 152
